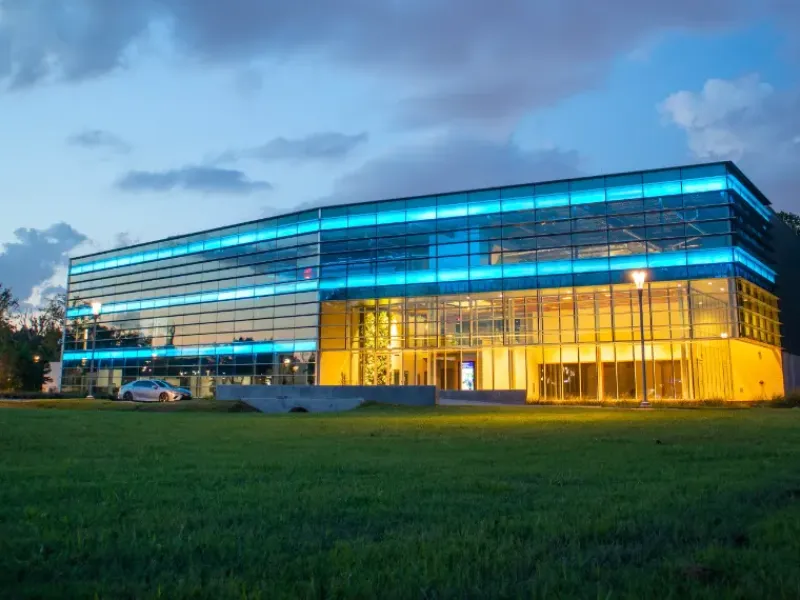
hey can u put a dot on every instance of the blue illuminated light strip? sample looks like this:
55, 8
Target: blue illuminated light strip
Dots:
306, 285
195, 351
608, 194
737, 186
743, 257
557, 267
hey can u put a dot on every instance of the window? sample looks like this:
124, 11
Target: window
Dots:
598, 237
555, 241
625, 207
626, 221
551, 227
711, 227
589, 224
553, 214
452, 236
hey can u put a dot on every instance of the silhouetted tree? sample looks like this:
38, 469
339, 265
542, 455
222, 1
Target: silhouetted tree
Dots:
28, 342
791, 219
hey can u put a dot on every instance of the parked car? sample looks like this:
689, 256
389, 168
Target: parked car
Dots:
152, 390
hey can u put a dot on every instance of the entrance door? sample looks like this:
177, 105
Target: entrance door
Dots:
448, 376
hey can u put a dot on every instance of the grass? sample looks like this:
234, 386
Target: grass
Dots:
109, 405
409, 503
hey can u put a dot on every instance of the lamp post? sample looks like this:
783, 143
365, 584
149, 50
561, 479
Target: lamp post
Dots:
287, 370
639, 277
96, 308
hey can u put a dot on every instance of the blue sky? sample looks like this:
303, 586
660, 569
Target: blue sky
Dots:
124, 122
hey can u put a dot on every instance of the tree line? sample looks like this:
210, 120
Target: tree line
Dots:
29, 341
791, 219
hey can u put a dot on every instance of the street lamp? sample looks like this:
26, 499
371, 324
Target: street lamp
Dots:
96, 308
639, 277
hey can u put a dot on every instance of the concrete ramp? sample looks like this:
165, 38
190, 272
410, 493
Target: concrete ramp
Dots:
322, 398
286, 404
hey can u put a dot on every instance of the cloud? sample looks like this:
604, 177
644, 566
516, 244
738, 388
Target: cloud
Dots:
43, 292
74, 40
97, 138
53, 290
748, 121
35, 255
249, 80
209, 180
481, 62
325, 146
789, 11
124, 239
448, 164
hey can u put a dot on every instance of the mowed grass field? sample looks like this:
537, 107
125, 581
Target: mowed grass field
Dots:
400, 503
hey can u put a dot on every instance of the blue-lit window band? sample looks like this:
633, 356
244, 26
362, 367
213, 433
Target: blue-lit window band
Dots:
194, 351
556, 267
607, 194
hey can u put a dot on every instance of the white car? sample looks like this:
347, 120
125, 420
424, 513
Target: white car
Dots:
152, 390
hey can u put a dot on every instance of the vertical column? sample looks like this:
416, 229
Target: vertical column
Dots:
598, 358
64, 326
733, 308
599, 368
648, 331
693, 391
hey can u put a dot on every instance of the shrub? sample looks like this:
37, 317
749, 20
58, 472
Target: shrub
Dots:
791, 400
241, 407
9, 395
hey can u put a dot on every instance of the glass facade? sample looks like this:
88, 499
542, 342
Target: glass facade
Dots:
523, 287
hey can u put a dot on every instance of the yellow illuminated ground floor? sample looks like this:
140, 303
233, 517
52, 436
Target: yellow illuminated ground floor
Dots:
710, 339
723, 369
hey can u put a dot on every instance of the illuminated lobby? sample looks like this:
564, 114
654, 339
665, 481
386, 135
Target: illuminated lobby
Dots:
528, 287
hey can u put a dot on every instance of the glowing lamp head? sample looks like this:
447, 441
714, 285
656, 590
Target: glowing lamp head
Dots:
639, 277
96, 308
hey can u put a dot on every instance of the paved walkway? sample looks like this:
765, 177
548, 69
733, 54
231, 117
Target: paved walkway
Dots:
451, 402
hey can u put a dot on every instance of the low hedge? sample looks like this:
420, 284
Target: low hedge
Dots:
30, 396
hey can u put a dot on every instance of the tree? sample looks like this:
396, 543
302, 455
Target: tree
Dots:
55, 310
8, 304
28, 342
791, 219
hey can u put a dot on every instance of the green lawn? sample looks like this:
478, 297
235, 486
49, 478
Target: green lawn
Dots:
412, 503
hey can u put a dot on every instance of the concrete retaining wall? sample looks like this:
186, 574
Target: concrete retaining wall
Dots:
493, 396
285, 404
325, 398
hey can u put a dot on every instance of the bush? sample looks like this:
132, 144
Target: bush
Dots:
789, 401
241, 407
30, 396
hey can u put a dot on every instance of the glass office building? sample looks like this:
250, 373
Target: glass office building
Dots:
524, 287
